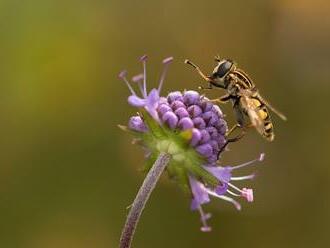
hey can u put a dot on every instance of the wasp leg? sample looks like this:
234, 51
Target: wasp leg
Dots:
237, 138
222, 99
232, 129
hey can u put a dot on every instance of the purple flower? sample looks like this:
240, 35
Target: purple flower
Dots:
148, 101
186, 110
225, 191
182, 112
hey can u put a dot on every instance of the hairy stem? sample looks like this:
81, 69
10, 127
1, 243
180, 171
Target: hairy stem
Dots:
141, 199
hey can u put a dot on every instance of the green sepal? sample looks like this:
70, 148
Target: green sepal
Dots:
153, 126
183, 180
194, 165
133, 132
179, 174
181, 138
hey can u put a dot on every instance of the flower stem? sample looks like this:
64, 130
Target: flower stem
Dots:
141, 199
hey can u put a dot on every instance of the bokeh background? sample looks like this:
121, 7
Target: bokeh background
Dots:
67, 173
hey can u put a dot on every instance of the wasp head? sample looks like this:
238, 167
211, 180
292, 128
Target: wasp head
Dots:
221, 71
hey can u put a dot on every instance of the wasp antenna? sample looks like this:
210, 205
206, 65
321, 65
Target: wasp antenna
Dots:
187, 61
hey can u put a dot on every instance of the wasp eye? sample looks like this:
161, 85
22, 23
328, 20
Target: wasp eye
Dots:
223, 68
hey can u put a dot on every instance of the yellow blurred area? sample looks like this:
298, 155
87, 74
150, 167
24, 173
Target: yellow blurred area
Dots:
67, 173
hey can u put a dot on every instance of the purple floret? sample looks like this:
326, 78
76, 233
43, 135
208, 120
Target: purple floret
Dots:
136, 123
170, 119
190, 110
175, 95
195, 112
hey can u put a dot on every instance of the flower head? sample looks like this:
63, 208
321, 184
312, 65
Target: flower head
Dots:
192, 129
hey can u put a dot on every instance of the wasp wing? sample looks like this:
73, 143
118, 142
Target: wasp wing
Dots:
278, 113
252, 109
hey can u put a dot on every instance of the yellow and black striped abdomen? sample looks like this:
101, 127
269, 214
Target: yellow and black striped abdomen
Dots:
267, 126
269, 132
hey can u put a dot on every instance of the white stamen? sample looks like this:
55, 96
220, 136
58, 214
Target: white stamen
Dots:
246, 193
234, 187
166, 63
261, 157
138, 79
232, 193
243, 177
204, 218
128, 85
144, 61
226, 198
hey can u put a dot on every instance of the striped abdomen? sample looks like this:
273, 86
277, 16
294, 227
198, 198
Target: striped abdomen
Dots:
266, 128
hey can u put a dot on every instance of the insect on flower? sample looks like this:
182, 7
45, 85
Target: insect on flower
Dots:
249, 107
191, 129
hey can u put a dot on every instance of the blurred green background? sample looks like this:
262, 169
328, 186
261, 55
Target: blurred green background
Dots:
67, 173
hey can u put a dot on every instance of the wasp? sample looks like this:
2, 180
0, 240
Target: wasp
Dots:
250, 108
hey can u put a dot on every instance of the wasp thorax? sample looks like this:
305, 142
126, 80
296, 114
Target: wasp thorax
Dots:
222, 68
